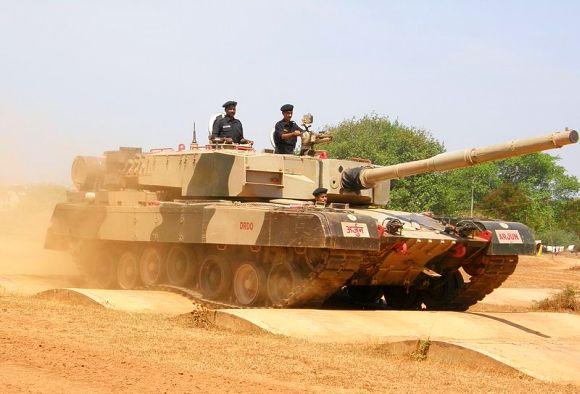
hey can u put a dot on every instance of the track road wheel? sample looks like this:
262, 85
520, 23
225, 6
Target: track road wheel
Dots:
443, 291
151, 266
249, 284
400, 297
103, 269
474, 269
215, 277
282, 279
181, 266
128, 271
365, 294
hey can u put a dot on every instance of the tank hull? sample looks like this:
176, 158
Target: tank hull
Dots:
265, 254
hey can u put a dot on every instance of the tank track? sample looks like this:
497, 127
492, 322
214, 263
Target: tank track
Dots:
326, 279
195, 297
496, 270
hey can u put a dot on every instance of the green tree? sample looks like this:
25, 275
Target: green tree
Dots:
567, 216
506, 202
551, 192
381, 140
456, 188
386, 142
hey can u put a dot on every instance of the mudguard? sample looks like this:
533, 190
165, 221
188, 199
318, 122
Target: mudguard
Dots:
508, 238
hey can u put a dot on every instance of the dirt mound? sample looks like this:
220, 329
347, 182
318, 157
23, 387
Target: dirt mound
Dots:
51, 346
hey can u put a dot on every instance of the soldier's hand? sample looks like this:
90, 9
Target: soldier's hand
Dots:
296, 133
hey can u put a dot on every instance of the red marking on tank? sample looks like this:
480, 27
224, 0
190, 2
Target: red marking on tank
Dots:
247, 226
381, 230
459, 250
508, 237
180, 147
401, 248
355, 229
485, 235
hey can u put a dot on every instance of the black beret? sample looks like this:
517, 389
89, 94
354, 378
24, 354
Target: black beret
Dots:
320, 190
287, 107
230, 104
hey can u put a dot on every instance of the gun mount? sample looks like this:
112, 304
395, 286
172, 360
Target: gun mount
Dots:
310, 138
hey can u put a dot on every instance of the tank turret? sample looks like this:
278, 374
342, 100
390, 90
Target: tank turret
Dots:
238, 172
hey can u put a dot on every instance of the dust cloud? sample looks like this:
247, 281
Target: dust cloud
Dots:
25, 266
35, 158
34, 148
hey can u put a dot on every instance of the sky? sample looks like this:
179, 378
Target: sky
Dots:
83, 77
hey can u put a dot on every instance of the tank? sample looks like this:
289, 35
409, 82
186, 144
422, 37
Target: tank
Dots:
240, 227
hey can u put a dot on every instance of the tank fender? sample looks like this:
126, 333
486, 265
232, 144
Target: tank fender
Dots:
56, 235
508, 238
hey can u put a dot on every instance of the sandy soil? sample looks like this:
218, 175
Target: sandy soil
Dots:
537, 272
46, 346
49, 346
548, 271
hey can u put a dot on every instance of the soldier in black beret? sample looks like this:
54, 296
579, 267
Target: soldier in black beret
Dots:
229, 129
320, 196
286, 131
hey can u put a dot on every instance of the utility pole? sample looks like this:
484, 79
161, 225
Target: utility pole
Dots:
472, 187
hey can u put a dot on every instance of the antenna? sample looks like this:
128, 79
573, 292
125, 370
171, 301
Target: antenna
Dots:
193, 144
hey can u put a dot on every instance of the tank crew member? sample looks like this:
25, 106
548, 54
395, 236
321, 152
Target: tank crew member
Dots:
286, 131
320, 196
228, 128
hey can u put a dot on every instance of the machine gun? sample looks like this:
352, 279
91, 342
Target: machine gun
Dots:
311, 138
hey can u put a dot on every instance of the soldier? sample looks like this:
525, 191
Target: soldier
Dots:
228, 128
286, 131
320, 196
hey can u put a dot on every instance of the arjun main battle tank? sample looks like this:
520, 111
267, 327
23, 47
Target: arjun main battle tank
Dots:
240, 227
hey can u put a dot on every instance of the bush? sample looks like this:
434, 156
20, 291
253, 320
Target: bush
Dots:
566, 300
558, 237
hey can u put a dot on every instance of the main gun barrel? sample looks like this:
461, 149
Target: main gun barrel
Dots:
367, 177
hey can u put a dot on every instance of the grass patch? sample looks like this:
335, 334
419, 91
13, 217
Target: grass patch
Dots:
200, 317
422, 350
565, 300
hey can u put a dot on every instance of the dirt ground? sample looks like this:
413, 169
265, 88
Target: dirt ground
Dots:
47, 346
548, 271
